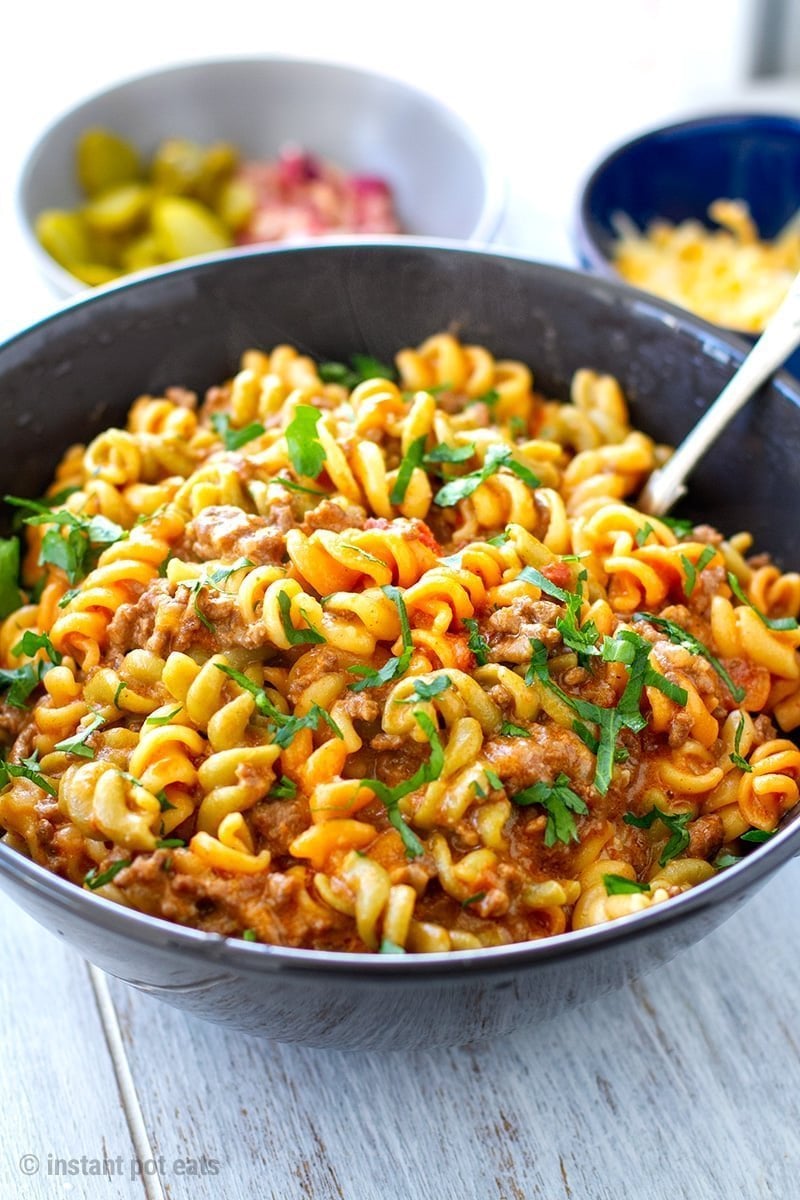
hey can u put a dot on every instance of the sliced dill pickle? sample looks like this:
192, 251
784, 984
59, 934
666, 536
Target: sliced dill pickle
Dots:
183, 228
142, 253
105, 160
93, 273
63, 235
177, 166
119, 209
236, 203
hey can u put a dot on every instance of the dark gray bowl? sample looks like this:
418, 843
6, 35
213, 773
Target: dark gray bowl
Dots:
77, 371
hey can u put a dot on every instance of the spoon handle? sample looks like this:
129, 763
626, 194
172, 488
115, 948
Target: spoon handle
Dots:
780, 337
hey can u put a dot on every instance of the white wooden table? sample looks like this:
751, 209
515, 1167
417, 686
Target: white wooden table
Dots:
685, 1085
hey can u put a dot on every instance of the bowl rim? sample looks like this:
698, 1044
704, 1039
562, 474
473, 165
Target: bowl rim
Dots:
584, 242
494, 178
238, 954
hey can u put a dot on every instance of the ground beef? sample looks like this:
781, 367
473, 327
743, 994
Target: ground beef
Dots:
167, 618
336, 517
706, 836
278, 822
509, 630
522, 761
225, 532
268, 903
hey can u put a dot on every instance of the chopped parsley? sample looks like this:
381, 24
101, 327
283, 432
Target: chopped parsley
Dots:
641, 537
282, 727
633, 651
77, 743
395, 666
560, 803
21, 681
411, 460
427, 691
284, 789
692, 570
497, 456
27, 768
426, 773
169, 843
735, 756
490, 398
725, 860
450, 454
618, 885
296, 637
494, 779
68, 597
10, 596
306, 452
778, 624
676, 824
476, 642
249, 935
580, 638
476, 899
234, 439
95, 881
679, 526
291, 486
165, 720
389, 947
362, 367
758, 835
77, 552
681, 637
508, 729
213, 580
30, 643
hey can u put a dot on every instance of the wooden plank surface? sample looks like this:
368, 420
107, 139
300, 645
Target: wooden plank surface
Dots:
59, 1095
686, 1085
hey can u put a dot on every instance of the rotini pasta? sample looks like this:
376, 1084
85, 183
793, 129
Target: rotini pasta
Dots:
386, 659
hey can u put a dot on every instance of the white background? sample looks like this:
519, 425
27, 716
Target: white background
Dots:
549, 84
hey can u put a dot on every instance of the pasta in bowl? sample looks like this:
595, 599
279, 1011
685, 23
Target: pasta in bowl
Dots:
382, 658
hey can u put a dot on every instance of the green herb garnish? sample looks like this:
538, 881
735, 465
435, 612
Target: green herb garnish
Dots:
497, 456
427, 691
641, 537
394, 667
77, 552
30, 643
476, 642
391, 797
234, 439
390, 947
26, 768
560, 803
778, 624
473, 899
758, 835
284, 789
736, 756
282, 727
10, 595
165, 720
306, 452
95, 881
249, 935
676, 824
362, 368
692, 570
296, 637
681, 637
77, 743
508, 729
618, 885
411, 460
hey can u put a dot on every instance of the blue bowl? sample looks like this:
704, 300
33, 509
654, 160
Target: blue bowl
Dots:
675, 172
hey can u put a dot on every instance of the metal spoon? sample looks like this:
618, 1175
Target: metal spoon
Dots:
780, 337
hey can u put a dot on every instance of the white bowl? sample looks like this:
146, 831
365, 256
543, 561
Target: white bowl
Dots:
440, 173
